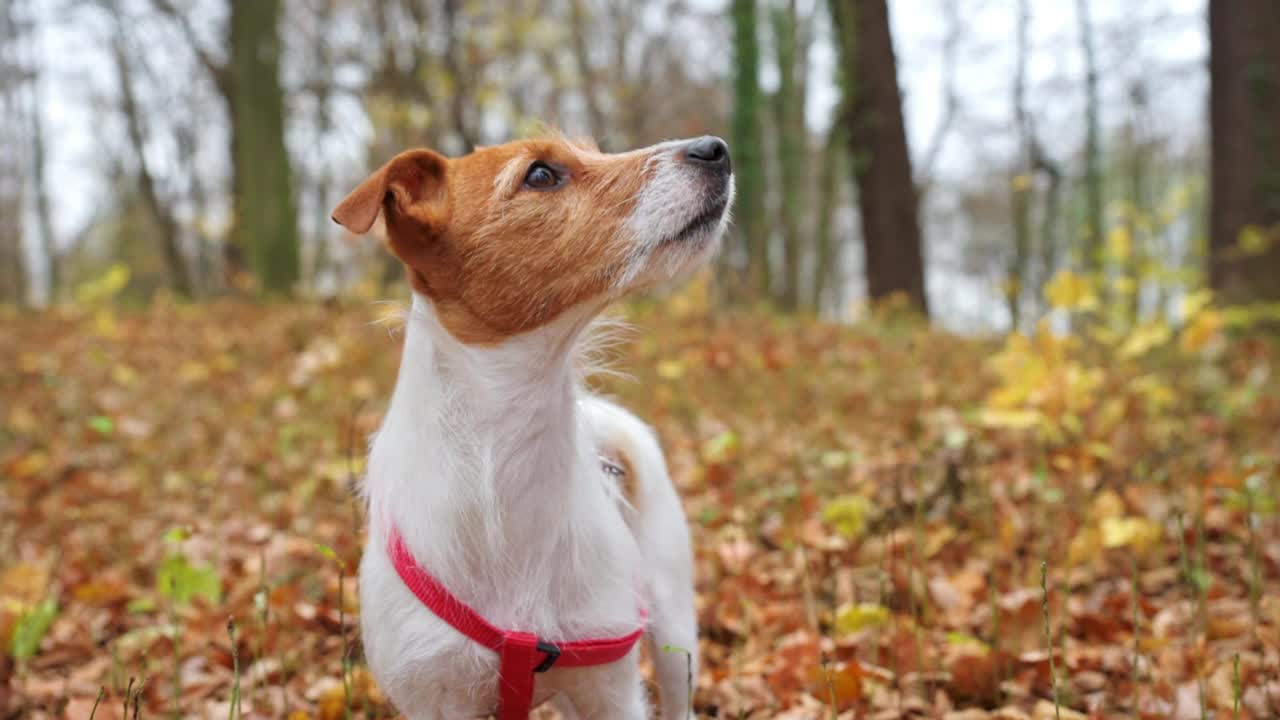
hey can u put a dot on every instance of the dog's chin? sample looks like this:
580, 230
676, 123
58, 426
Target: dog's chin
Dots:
677, 260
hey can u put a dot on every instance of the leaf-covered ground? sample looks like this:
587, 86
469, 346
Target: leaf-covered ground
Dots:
872, 508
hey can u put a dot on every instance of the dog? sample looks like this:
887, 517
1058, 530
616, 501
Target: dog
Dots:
507, 564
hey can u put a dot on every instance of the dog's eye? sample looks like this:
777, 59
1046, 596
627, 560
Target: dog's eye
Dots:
541, 177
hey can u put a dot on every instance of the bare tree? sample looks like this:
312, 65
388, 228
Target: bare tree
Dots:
166, 224
264, 234
950, 96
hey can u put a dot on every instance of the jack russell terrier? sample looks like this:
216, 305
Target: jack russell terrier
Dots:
504, 566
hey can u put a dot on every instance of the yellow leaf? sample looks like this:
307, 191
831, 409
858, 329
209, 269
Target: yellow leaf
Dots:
1011, 419
24, 582
721, 448
1021, 183
1137, 532
1194, 303
1069, 291
28, 465
1108, 504
670, 369
104, 323
938, 540
847, 514
105, 287
1254, 241
834, 459
1158, 396
1201, 331
1145, 337
124, 375
852, 618
193, 371
1085, 547
1120, 243
1124, 285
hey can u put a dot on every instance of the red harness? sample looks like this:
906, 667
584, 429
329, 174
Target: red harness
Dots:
520, 654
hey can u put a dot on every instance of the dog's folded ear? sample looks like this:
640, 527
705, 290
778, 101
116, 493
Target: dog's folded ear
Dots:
410, 183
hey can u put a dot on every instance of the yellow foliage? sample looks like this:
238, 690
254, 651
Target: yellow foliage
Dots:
1254, 240
1205, 327
1011, 419
1120, 243
1145, 337
1107, 505
1155, 392
852, 618
1124, 285
1138, 533
105, 287
670, 369
721, 448
1194, 303
847, 514
692, 299
104, 323
1071, 291
1084, 547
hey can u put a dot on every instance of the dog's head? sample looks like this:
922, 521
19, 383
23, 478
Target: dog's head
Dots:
509, 238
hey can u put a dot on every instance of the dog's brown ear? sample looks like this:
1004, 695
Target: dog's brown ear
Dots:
412, 178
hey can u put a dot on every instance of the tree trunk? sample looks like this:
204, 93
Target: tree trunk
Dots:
170, 247
13, 266
1244, 66
1017, 274
1135, 264
746, 150
792, 149
1092, 144
881, 163
826, 268
266, 223
44, 215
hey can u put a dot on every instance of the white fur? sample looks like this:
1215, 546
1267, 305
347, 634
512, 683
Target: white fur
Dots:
487, 463
666, 205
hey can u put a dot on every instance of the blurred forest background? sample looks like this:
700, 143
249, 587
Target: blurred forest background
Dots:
961, 152
975, 417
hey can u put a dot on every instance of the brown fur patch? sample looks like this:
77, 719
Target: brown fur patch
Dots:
497, 258
618, 466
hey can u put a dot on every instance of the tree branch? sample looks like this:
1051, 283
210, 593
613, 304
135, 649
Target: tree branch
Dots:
217, 70
951, 100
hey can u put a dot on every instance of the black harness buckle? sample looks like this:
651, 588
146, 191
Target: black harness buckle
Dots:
553, 654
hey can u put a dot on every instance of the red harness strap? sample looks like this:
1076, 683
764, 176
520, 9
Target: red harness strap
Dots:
520, 654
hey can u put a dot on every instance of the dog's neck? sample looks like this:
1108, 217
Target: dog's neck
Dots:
484, 466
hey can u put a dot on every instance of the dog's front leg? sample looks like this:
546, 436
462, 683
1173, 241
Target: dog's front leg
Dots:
612, 692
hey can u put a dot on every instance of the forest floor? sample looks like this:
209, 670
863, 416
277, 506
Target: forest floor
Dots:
872, 506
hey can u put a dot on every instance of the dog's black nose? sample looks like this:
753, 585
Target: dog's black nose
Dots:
710, 151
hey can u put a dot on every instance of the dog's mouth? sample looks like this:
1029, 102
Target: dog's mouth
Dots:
703, 222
